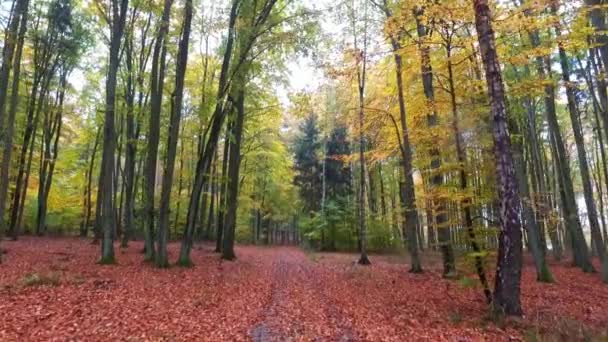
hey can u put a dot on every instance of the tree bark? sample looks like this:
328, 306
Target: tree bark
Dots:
233, 176
165, 198
466, 202
52, 129
107, 218
406, 187
223, 194
582, 154
157, 82
508, 270
206, 154
87, 218
8, 50
441, 218
7, 137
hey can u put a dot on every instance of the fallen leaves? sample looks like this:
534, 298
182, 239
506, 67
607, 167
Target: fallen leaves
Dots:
268, 294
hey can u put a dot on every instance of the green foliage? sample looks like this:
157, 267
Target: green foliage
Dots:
382, 237
307, 148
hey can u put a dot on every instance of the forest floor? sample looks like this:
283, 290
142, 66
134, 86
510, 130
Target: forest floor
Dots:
52, 289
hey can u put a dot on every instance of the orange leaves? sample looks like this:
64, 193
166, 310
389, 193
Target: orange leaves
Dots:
271, 294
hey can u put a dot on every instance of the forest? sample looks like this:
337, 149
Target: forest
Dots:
299, 170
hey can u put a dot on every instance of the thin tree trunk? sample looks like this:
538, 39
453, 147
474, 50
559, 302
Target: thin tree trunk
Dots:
466, 202
53, 129
165, 199
87, 219
441, 218
582, 156
157, 82
7, 137
107, 218
180, 182
131, 148
206, 154
361, 78
406, 187
233, 176
223, 194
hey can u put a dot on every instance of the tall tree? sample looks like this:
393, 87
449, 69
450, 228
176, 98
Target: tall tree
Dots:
575, 120
6, 138
178, 98
207, 151
406, 187
508, 270
157, 83
441, 217
18, 12
116, 22
361, 66
306, 150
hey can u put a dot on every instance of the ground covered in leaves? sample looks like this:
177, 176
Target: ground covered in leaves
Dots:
52, 289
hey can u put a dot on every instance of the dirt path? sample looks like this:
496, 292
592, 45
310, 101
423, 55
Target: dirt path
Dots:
299, 306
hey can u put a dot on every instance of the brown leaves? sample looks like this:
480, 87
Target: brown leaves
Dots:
270, 294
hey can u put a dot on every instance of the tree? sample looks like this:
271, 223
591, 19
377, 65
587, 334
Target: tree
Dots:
117, 24
307, 165
361, 71
7, 137
441, 218
582, 154
157, 82
508, 270
406, 187
207, 151
177, 100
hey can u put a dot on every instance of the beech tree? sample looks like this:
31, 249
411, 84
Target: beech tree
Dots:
508, 269
117, 17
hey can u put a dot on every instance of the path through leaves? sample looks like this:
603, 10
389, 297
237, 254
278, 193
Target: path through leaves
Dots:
52, 289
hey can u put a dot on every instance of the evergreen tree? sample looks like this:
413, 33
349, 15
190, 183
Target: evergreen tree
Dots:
307, 164
337, 172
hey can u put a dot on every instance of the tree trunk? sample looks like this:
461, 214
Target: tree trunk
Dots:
8, 135
131, 148
206, 154
233, 176
107, 217
441, 218
53, 129
180, 183
582, 156
508, 270
165, 199
87, 219
223, 194
157, 82
361, 75
8, 50
466, 202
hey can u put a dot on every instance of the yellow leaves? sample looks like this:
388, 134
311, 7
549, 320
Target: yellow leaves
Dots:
528, 87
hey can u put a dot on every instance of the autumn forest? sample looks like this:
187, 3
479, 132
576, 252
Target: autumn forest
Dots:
303, 170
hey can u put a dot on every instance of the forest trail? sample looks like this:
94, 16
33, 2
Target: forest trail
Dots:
297, 293
51, 288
